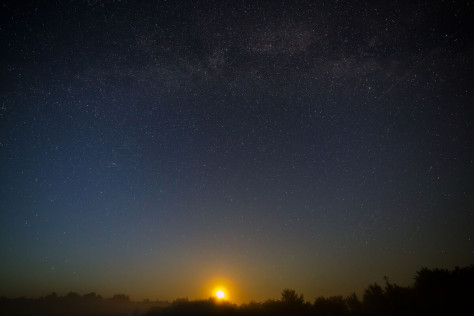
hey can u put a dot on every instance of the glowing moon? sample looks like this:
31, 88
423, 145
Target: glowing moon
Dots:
220, 294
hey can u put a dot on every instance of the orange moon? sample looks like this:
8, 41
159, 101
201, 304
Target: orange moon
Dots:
220, 294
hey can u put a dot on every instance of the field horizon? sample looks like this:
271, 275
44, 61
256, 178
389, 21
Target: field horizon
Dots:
436, 291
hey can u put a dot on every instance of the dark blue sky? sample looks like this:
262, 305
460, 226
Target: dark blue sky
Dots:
159, 149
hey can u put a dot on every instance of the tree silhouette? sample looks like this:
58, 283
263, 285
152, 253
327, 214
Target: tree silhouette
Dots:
435, 292
354, 305
290, 297
331, 306
374, 300
121, 298
443, 291
292, 303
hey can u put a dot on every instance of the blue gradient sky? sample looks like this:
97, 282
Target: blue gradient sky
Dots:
163, 149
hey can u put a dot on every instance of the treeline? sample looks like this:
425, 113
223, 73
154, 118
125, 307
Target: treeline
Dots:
72, 304
434, 292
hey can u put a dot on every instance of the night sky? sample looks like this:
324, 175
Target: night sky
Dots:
161, 149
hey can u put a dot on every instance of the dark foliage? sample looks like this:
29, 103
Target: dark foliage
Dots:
443, 292
198, 307
435, 292
335, 305
75, 304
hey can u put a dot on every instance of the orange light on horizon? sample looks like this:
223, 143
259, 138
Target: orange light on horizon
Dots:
221, 289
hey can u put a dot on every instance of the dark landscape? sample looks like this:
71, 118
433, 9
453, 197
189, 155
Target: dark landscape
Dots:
434, 292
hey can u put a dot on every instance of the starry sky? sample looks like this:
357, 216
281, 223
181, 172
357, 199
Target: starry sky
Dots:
163, 148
